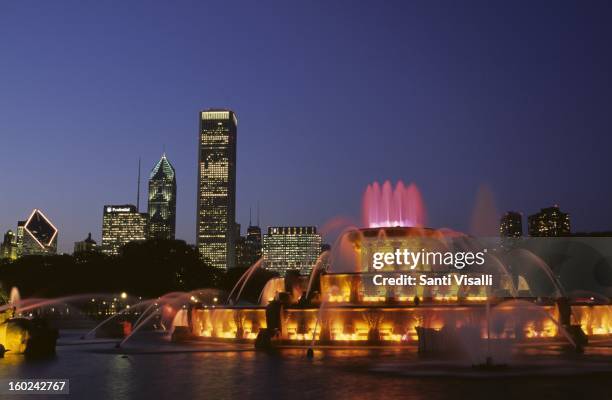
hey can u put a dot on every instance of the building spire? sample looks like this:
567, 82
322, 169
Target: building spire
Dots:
250, 223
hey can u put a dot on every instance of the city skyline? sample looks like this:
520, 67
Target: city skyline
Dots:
163, 163
65, 247
534, 127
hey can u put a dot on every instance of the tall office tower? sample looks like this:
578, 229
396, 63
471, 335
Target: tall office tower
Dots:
240, 249
19, 237
88, 245
122, 224
511, 225
248, 248
549, 222
162, 200
217, 187
291, 247
253, 240
38, 235
8, 249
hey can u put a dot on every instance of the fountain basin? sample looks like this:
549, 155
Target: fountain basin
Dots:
390, 324
340, 305
30, 337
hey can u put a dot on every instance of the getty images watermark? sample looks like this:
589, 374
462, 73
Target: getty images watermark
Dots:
406, 258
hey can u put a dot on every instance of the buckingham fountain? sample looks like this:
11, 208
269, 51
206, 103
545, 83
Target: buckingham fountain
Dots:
494, 296
513, 298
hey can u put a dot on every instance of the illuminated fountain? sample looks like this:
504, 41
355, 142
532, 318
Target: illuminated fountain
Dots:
25, 328
340, 305
24, 323
384, 206
19, 335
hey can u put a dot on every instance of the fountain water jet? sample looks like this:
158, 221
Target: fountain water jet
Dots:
242, 282
320, 266
165, 300
114, 316
351, 309
14, 297
385, 206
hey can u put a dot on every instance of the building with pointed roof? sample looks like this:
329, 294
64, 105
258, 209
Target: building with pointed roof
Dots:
162, 200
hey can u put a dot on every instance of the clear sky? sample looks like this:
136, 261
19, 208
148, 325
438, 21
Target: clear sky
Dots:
330, 96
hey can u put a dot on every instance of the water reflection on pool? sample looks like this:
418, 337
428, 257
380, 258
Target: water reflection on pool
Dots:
154, 368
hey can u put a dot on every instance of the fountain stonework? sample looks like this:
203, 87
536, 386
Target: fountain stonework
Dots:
339, 304
31, 337
345, 308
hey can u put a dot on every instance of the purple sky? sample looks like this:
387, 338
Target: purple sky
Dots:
329, 96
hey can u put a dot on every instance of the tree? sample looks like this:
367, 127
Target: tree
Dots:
149, 269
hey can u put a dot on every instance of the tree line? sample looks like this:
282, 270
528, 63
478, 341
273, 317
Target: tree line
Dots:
148, 269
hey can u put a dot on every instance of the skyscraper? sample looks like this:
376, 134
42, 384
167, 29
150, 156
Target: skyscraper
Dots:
38, 235
240, 249
122, 224
253, 240
8, 249
291, 247
19, 237
248, 248
162, 200
511, 225
88, 245
549, 222
217, 187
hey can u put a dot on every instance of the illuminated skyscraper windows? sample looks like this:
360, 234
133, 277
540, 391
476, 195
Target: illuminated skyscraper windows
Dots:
217, 187
120, 225
291, 247
162, 200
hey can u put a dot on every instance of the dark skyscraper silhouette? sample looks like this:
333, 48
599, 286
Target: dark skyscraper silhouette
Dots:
511, 224
162, 200
549, 222
216, 213
253, 238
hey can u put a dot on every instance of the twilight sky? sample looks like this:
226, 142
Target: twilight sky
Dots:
330, 96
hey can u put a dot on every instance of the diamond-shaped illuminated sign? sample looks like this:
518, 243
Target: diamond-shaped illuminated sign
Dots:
40, 228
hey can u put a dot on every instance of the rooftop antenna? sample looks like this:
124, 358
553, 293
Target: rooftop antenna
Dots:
250, 223
138, 190
257, 212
